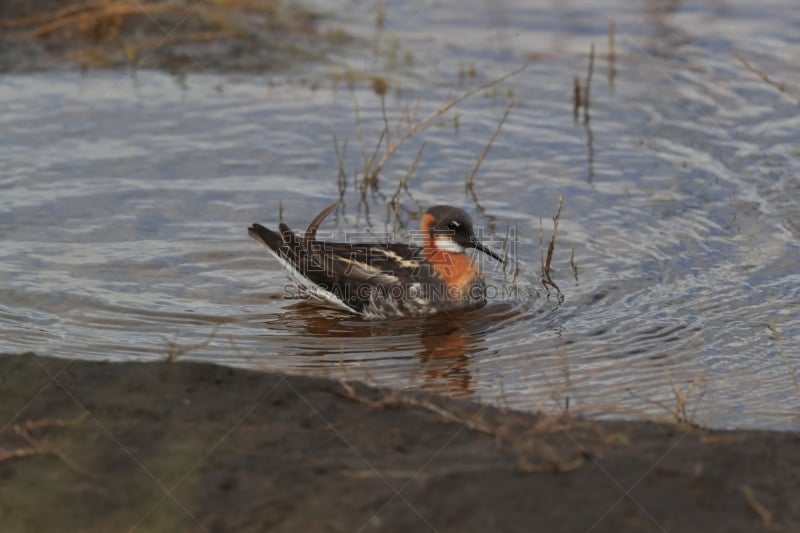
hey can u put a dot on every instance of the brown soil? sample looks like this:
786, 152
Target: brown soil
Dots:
88, 446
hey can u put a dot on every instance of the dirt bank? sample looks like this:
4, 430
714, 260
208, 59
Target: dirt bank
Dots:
195, 447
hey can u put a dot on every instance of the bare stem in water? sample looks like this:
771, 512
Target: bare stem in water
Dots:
612, 53
471, 177
588, 86
402, 185
176, 350
547, 280
779, 343
424, 122
780, 86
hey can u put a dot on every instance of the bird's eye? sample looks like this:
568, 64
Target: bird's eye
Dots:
454, 225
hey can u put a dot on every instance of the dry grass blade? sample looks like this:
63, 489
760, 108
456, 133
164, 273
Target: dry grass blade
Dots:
573, 265
612, 53
679, 413
505, 249
341, 179
782, 351
176, 350
340, 156
541, 245
471, 177
780, 86
395, 399
19, 453
516, 255
657, 403
385, 118
511, 238
419, 125
402, 185
370, 178
553, 463
588, 86
35, 425
547, 279
491, 220
581, 91
39, 448
766, 516
534, 455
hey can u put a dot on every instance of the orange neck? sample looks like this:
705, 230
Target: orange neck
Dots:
454, 269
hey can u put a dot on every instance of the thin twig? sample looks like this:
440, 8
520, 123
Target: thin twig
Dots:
588, 86
340, 155
612, 53
678, 412
44, 449
369, 177
516, 255
471, 177
359, 136
766, 516
491, 220
779, 343
546, 277
506, 248
658, 403
176, 350
780, 86
402, 185
385, 118
541, 245
589, 151
341, 179
19, 453
573, 265
35, 425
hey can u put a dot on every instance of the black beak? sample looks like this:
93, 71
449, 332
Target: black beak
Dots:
481, 248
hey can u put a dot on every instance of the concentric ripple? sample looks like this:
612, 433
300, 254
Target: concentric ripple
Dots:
124, 205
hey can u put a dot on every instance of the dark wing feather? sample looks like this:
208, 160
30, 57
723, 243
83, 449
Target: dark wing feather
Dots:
400, 262
311, 230
265, 236
344, 269
286, 245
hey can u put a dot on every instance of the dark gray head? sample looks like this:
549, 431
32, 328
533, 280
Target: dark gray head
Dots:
451, 230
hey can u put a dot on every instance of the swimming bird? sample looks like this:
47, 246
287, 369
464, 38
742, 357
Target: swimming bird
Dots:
385, 280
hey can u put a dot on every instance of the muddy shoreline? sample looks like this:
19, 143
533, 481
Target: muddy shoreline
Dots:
95, 446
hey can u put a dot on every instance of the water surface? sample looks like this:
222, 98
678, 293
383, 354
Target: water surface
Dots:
125, 202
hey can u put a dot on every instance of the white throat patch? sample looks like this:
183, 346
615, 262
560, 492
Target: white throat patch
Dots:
447, 244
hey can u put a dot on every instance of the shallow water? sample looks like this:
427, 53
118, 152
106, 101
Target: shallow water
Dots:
125, 203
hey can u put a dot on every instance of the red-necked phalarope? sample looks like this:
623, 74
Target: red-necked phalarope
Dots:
386, 280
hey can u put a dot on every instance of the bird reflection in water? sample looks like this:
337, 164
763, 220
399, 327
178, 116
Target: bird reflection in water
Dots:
445, 360
440, 346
